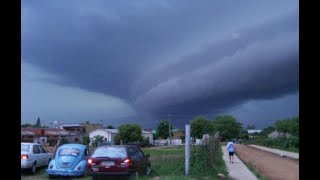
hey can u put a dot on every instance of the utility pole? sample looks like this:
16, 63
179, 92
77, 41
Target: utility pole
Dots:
187, 149
169, 129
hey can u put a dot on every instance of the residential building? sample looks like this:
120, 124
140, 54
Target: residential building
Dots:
109, 134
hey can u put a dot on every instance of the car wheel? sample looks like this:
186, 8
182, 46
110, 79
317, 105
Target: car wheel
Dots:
51, 176
34, 168
148, 170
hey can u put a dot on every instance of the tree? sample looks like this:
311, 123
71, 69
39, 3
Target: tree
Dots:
199, 126
266, 131
38, 124
109, 127
283, 126
129, 133
96, 140
27, 125
228, 127
294, 126
163, 129
85, 140
251, 127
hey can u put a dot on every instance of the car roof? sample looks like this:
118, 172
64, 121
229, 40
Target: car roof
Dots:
117, 146
78, 146
28, 143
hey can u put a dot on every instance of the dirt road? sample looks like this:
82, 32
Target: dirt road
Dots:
271, 166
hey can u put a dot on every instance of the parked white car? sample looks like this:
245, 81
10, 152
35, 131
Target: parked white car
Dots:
34, 155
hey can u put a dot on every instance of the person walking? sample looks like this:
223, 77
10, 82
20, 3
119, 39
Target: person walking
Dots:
231, 149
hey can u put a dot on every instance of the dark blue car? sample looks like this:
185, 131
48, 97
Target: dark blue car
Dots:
69, 160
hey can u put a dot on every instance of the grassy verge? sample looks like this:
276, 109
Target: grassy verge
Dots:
286, 144
169, 163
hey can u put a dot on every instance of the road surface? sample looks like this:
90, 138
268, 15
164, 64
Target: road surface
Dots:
270, 165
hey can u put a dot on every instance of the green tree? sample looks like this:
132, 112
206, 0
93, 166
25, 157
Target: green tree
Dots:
85, 140
109, 127
199, 126
251, 126
294, 126
228, 127
266, 131
38, 123
27, 125
129, 133
96, 140
283, 126
163, 129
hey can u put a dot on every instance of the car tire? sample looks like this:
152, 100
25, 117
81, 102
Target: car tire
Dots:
34, 168
51, 176
148, 170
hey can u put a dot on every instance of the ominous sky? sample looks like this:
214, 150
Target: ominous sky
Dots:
130, 61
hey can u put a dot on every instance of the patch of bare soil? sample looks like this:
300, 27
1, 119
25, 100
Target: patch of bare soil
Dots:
270, 165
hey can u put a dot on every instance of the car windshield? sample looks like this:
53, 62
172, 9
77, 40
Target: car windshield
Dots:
112, 152
69, 151
25, 147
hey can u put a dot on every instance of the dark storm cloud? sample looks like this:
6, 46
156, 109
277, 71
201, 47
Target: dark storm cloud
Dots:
178, 57
259, 63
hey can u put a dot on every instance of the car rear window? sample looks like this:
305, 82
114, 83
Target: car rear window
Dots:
25, 147
112, 152
69, 151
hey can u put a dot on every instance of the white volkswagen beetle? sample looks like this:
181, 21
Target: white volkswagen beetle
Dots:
34, 155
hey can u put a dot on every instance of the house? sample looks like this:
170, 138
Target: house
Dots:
80, 128
46, 135
177, 134
253, 132
147, 134
109, 134
276, 134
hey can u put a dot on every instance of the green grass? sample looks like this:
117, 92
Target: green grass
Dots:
286, 144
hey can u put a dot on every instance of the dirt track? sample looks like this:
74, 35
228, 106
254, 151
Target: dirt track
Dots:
271, 166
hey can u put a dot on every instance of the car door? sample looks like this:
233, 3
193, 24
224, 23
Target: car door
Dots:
37, 155
44, 156
143, 162
133, 154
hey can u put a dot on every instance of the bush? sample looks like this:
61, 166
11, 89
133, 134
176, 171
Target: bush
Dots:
288, 144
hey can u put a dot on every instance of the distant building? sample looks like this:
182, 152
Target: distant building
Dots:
46, 135
253, 132
109, 134
148, 135
177, 134
276, 134
80, 128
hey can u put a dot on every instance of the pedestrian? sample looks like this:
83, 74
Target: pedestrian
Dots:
231, 149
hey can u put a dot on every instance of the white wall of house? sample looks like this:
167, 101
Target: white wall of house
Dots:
109, 136
148, 135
